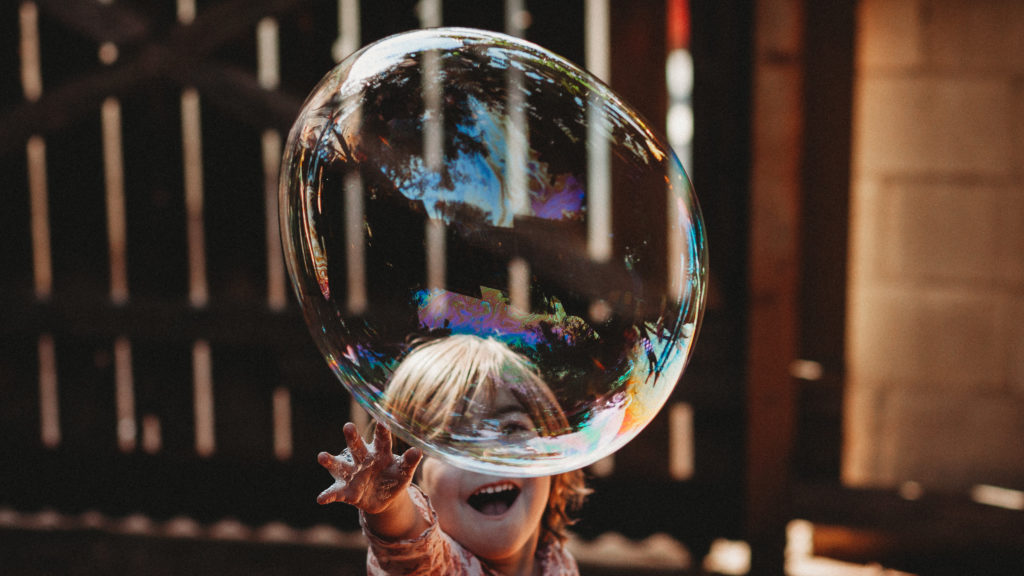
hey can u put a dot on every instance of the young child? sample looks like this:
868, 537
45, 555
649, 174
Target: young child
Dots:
471, 523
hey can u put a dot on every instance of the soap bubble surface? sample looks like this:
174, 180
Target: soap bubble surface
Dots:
495, 254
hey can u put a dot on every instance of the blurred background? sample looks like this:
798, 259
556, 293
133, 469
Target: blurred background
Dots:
855, 403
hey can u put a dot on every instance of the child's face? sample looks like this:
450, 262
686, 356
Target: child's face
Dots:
493, 517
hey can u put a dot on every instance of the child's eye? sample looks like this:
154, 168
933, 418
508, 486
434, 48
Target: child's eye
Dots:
516, 424
514, 427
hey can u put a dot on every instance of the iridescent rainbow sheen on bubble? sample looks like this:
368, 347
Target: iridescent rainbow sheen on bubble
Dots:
492, 315
432, 174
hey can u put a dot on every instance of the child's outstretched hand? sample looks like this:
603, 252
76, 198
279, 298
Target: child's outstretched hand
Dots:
368, 476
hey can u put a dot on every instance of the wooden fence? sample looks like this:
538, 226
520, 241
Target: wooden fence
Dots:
152, 358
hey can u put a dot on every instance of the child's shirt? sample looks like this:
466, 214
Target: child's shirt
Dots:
434, 553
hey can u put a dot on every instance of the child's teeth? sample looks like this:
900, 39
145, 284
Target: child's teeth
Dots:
495, 489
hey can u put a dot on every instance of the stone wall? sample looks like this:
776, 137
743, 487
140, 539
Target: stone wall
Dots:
935, 326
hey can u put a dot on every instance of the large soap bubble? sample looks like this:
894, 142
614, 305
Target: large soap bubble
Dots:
495, 254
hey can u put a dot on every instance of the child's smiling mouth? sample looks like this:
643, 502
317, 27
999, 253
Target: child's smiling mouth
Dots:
494, 499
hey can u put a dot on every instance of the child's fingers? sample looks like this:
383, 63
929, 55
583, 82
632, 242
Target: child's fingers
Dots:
382, 439
410, 460
328, 496
355, 443
325, 459
329, 462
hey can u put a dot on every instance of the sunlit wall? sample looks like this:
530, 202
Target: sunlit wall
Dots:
935, 389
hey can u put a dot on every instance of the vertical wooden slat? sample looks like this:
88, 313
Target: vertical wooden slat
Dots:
349, 32
518, 142
269, 77
268, 72
282, 416
516, 18
434, 239
42, 264
267, 40
356, 299
32, 89
31, 69
679, 128
113, 171
277, 282
430, 16
597, 39
679, 80
202, 379
777, 139
680, 441
49, 400
644, 88
675, 245
117, 247
152, 434
519, 284
433, 126
829, 76
599, 177
597, 55
429, 13
198, 291
347, 42
186, 11
124, 394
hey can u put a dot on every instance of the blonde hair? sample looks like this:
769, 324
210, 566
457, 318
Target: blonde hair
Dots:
441, 381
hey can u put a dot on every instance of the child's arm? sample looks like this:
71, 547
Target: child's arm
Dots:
371, 478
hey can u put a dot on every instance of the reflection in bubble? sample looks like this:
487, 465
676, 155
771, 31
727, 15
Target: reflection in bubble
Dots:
438, 186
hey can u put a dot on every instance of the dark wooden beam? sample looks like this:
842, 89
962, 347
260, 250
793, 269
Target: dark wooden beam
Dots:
181, 57
777, 140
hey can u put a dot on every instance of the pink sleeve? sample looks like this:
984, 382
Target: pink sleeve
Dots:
432, 553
